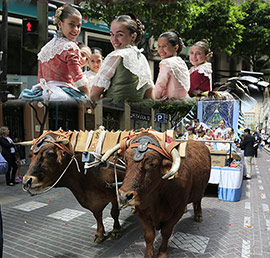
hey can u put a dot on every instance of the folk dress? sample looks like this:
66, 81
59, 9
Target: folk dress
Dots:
125, 75
201, 78
173, 80
59, 74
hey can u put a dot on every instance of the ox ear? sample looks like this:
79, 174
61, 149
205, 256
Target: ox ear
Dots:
166, 166
60, 155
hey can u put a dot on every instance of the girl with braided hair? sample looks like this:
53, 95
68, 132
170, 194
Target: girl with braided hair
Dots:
125, 73
60, 76
173, 78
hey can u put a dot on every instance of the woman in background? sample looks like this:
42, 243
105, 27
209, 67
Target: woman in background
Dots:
8, 152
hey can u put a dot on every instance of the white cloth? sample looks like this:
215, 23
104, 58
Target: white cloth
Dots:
90, 76
133, 60
52, 91
55, 47
179, 69
223, 132
12, 149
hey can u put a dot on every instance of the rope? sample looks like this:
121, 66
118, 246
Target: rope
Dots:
116, 185
48, 189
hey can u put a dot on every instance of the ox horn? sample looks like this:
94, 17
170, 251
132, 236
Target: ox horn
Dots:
109, 152
175, 164
25, 143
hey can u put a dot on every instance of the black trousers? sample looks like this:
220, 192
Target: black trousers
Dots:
12, 168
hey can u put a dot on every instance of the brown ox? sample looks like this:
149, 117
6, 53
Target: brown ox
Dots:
160, 203
91, 189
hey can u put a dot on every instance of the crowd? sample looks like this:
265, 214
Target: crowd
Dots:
70, 70
200, 131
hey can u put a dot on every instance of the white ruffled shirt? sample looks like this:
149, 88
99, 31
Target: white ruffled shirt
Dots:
133, 60
59, 60
173, 79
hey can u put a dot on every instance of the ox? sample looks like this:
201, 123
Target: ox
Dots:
53, 160
160, 203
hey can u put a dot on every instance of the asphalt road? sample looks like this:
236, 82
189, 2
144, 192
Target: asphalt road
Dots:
55, 225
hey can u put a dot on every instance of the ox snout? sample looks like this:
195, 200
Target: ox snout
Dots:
127, 198
29, 182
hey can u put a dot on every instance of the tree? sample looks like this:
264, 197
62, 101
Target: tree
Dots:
218, 22
157, 16
255, 44
175, 110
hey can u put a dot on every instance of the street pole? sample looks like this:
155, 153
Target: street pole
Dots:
4, 49
42, 15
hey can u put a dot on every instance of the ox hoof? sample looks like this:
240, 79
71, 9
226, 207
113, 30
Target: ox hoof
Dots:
116, 235
98, 239
198, 218
162, 255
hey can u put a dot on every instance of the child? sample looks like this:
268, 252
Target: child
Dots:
85, 54
201, 71
60, 75
173, 79
208, 136
125, 73
94, 63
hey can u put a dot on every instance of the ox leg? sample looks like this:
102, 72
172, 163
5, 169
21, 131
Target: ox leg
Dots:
99, 237
198, 211
166, 232
116, 233
149, 236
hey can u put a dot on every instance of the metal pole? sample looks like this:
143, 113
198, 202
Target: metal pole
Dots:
4, 46
42, 15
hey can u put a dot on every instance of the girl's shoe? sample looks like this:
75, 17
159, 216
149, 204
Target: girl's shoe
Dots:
18, 180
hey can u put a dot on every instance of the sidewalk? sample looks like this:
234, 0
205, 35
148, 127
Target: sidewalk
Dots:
55, 225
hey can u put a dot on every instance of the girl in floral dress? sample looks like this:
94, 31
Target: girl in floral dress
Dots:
173, 79
60, 76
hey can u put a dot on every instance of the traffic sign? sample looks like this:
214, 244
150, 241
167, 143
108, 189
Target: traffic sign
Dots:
160, 118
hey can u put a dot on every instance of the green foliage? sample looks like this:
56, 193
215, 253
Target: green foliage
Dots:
175, 109
218, 22
156, 16
256, 35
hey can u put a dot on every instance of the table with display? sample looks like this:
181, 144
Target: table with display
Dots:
228, 178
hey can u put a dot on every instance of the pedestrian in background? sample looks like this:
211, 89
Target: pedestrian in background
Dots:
173, 80
201, 71
257, 142
60, 75
247, 145
125, 74
8, 152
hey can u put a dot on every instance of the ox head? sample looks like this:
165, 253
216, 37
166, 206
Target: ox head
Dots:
47, 162
146, 169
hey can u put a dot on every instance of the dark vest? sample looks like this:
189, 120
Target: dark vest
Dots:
123, 86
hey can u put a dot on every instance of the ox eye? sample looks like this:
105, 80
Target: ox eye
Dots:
51, 154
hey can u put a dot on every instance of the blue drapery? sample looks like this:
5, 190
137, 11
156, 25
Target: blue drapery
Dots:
212, 111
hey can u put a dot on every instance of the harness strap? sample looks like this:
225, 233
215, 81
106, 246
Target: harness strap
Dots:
74, 142
89, 138
61, 146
